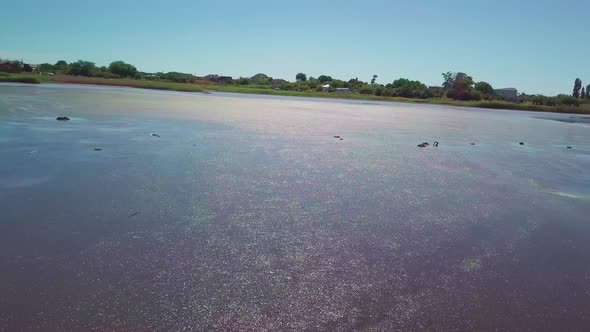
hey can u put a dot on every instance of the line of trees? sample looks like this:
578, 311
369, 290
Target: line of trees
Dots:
560, 99
117, 69
455, 85
458, 86
579, 91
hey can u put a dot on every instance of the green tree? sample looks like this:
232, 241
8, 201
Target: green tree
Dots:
448, 79
301, 77
588, 91
583, 94
577, 87
82, 68
61, 67
354, 82
484, 87
461, 88
19, 64
404, 87
122, 69
45, 67
324, 78
464, 78
374, 79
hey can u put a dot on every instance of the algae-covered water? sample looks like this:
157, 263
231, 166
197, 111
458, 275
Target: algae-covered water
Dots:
247, 214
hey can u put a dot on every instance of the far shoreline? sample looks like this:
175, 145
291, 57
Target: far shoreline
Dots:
583, 109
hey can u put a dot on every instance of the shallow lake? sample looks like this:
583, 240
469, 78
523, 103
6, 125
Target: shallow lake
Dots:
245, 213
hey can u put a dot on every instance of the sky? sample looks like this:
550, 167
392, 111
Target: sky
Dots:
535, 46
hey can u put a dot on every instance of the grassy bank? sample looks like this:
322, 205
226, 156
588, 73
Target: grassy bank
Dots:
584, 108
19, 78
131, 83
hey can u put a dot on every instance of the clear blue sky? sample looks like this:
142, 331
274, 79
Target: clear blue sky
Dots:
536, 46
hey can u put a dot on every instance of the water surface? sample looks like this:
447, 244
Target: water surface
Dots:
246, 214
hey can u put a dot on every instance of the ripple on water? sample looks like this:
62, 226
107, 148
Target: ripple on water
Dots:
570, 192
23, 182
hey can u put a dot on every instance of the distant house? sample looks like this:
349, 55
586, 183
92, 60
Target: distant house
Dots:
326, 88
29, 68
210, 77
342, 90
9, 67
509, 94
225, 79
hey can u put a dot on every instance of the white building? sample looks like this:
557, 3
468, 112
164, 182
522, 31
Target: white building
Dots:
342, 90
326, 88
509, 94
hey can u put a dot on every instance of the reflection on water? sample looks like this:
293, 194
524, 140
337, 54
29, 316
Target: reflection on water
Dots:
246, 213
567, 118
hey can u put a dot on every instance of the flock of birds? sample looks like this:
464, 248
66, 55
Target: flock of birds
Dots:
435, 144
421, 145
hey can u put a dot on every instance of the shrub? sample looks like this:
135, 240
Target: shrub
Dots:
105, 74
538, 100
459, 94
379, 91
568, 100
437, 93
425, 94
550, 101
476, 95
366, 90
